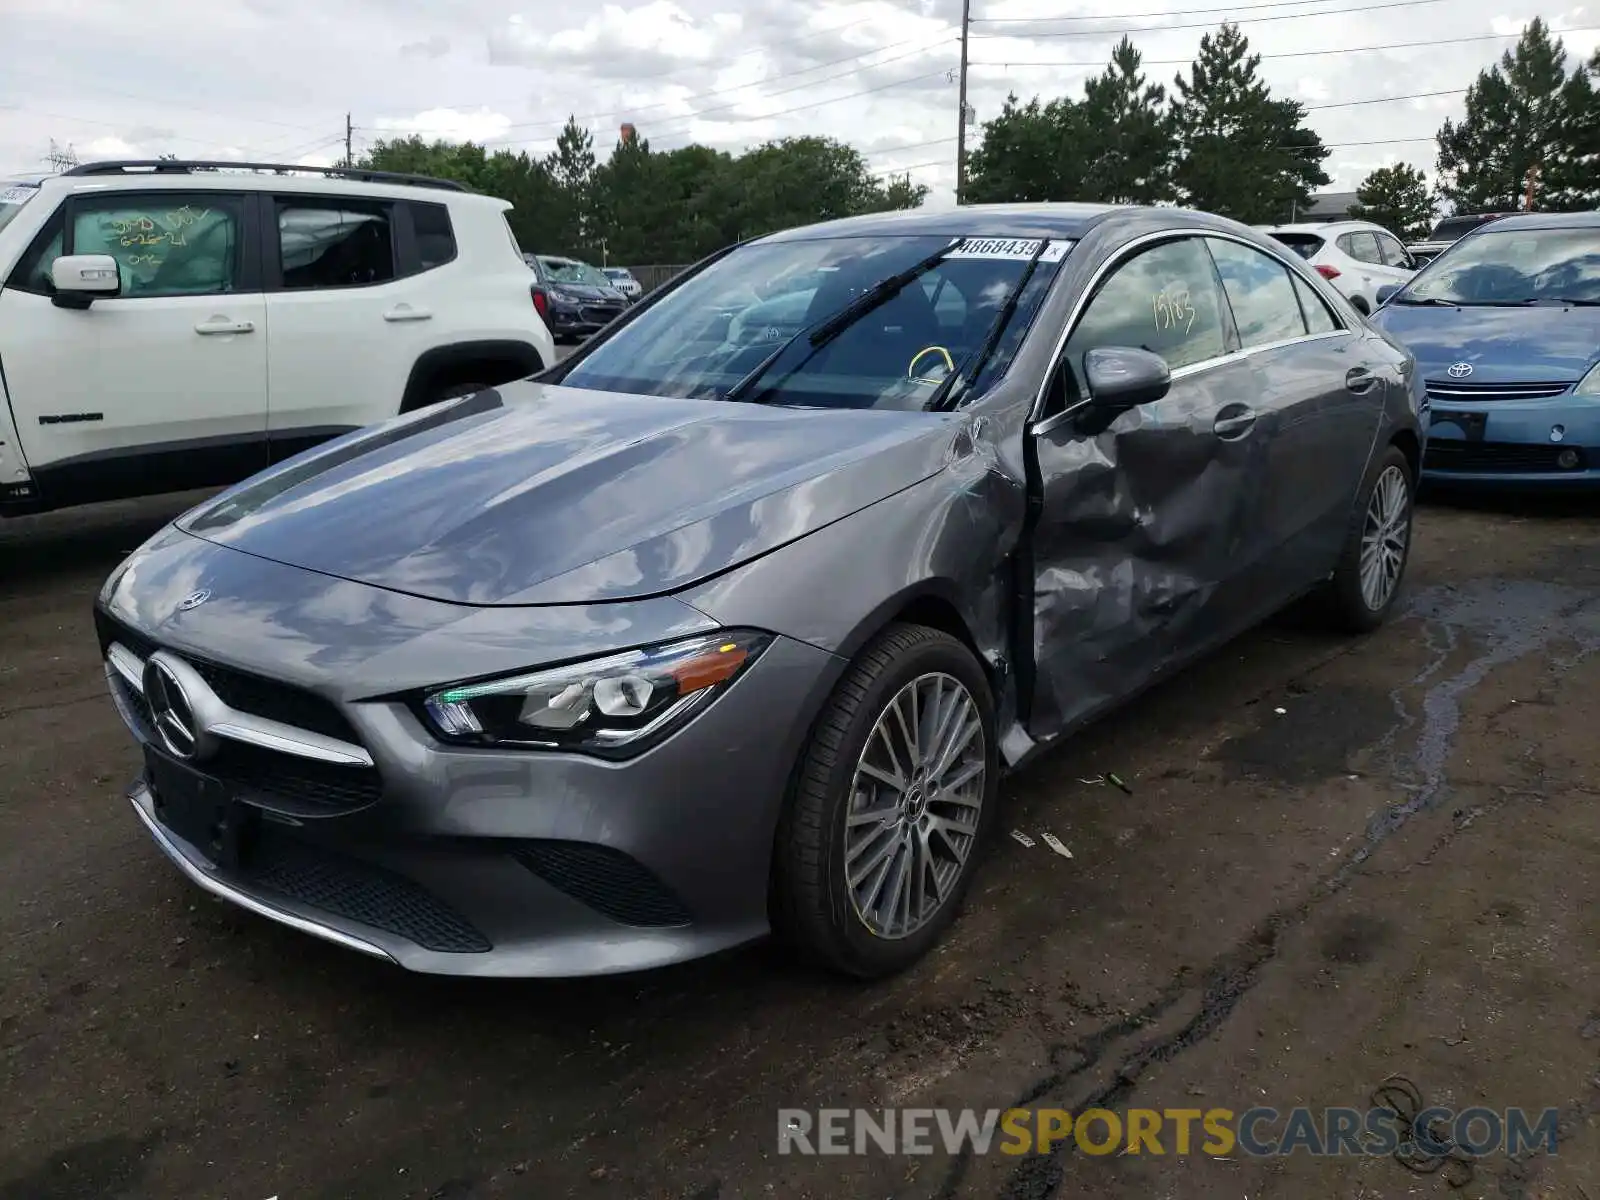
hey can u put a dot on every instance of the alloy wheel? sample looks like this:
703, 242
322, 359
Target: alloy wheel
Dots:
1384, 536
916, 800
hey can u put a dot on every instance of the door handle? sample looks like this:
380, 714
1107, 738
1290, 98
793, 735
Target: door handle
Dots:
1234, 426
1359, 380
405, 312
223, 325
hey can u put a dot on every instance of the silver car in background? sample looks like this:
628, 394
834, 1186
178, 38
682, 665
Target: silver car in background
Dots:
726, 626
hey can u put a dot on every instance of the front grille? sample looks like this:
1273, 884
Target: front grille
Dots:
270, 779
607, 880
357, 891
244, 691
601, 312
1457, 392
1503, 457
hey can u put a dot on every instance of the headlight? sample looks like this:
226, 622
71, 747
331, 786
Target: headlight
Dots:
1589, 385
612, 706
564, 297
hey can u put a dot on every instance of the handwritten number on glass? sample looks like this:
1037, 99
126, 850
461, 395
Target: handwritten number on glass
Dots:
1172, 308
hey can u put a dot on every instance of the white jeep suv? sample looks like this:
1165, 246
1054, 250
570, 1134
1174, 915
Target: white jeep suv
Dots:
173, 325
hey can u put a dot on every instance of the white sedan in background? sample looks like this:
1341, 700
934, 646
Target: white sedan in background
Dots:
1357, 257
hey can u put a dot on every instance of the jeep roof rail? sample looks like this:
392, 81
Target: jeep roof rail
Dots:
185, 166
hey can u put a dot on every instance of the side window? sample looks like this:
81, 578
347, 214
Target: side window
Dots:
166, 245
436, 241
1164, 300
1314, 308
1258, 288
1394, 254
1362, 247
334, 244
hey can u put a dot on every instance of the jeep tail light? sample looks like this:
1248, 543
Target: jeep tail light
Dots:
1327, 272
541, 303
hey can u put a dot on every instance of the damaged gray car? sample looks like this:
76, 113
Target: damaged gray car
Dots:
732, 622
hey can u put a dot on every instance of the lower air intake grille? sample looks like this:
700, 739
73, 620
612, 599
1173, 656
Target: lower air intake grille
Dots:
1504, 457
607, 880
357, 891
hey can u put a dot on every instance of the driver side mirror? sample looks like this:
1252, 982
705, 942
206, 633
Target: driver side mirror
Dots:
80, 278
1120, 377
1386, 291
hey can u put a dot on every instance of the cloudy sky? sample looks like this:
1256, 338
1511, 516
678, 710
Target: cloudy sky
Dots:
273, 79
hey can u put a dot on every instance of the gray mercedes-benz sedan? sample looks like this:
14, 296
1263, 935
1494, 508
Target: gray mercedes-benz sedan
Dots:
732, 621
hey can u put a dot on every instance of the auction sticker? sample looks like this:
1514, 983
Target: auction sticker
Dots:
17, 193
1009, 248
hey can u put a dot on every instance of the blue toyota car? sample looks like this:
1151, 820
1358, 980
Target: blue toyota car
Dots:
1505, 327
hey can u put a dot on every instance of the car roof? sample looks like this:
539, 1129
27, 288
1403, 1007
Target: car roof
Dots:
1049, 220
1323, 228
247, 180
1569, 220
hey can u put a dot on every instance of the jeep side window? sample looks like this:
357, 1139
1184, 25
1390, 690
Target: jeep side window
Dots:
32, 272
166, 245
334, 243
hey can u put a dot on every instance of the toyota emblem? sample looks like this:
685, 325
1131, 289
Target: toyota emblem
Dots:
170, 710
196, 599
1459, 370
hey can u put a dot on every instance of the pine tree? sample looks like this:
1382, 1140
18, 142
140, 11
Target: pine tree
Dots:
1240, 153
1127, 134
572, 166
1514, 122
1398, 198
1572, 173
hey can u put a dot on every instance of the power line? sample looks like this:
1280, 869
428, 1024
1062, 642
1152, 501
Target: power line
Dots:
1384, 99
209, 110
1189, 12
1181, 62
692, 117
938, 162
1332, 12
912, 146
633, 112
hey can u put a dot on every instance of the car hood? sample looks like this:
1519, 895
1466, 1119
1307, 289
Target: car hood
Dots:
538, 494
588, 291
1504, 345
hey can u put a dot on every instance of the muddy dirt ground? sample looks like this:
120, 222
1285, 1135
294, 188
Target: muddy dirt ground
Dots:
1340, 860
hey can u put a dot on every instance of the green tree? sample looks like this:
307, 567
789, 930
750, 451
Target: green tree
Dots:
1514, 122
1571, 176
572, 167
1398, 198
1127, 134
1030, 152
1240, 153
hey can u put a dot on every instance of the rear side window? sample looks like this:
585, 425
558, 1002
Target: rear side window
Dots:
1314, 308
1394, 254
1164, 300
1303, 244
1362, 247
436, 240
1265, 309
334, 244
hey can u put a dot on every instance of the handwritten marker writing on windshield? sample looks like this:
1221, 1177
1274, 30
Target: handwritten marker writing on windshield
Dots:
1023, 838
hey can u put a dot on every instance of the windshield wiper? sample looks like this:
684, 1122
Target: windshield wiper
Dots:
956, 384
1572, 300
1424, 300
824, 331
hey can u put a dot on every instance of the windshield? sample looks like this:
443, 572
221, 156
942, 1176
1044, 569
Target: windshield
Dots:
564, 270
12, 197
708, 334
1514, 266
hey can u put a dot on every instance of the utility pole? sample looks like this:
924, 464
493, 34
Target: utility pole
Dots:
349, 129
1533, 179
961, 127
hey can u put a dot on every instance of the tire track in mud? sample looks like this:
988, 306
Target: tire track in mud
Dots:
1510, 619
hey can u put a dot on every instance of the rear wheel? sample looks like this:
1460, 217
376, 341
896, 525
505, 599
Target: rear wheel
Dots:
892, 805
1366, 583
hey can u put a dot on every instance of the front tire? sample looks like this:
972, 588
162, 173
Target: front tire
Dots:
1377, 546
892, 804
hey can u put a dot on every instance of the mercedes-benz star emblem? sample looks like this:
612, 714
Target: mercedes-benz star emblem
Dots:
196, 599
170, 710
1459, 370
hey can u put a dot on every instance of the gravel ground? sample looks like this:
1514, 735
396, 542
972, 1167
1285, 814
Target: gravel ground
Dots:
1339, 860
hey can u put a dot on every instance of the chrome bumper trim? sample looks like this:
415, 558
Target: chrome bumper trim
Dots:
233, 895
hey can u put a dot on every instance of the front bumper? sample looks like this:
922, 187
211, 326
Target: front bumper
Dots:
490, 863
581, 321
1552, 443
